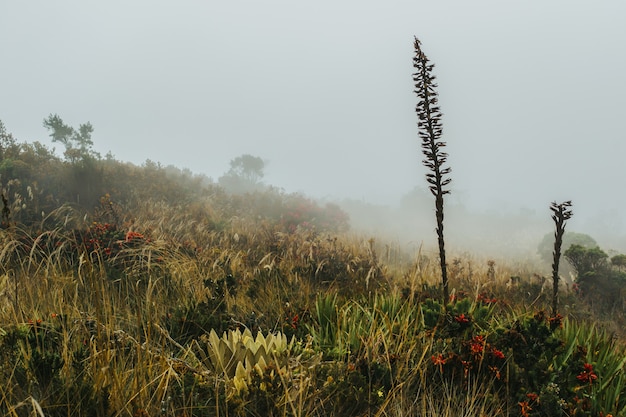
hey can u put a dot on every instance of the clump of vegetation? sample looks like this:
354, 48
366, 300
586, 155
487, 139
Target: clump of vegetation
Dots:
599, 281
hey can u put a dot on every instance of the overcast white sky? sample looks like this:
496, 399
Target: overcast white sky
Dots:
533, 93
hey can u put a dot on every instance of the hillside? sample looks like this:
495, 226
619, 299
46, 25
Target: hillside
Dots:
147, 290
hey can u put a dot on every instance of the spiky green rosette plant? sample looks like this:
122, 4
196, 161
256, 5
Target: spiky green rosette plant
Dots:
561, 213
430, 130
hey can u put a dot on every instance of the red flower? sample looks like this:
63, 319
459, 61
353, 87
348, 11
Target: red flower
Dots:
498, 354
438, 361
477, 345
587, 375
461, 318
476, 348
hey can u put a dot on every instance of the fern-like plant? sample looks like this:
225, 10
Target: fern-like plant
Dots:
430, 131
561, 213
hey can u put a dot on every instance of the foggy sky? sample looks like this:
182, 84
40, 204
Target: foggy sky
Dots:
533, 93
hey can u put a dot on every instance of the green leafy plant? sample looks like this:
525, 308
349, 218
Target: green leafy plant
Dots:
586, 260
237, 354
598, 281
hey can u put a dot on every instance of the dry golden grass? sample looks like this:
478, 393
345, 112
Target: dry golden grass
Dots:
111, 317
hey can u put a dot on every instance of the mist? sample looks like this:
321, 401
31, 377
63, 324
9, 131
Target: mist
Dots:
533, 97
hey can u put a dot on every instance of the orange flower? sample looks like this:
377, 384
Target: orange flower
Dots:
495, 371
532, 396
556, 321
525, 408
438, 361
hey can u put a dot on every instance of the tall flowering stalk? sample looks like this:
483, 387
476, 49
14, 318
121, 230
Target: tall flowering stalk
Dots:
560, 214
430, 131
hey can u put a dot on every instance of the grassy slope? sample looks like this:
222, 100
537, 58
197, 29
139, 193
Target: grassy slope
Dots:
109, 310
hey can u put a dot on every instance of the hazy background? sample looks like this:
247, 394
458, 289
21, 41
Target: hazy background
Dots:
533, 95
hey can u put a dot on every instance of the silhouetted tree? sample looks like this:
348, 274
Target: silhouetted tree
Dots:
8, 145
430, 131
586, 260
86, 177
244, 175
619, 261
78, 143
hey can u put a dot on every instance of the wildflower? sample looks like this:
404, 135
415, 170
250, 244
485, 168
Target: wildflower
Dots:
467, 365
294, 321
477, 344
497, 353
462, 318
532, 396
495, 371
553, 388
438, 361
587, 375
483, 298
133, 235
525, 408
556, 321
